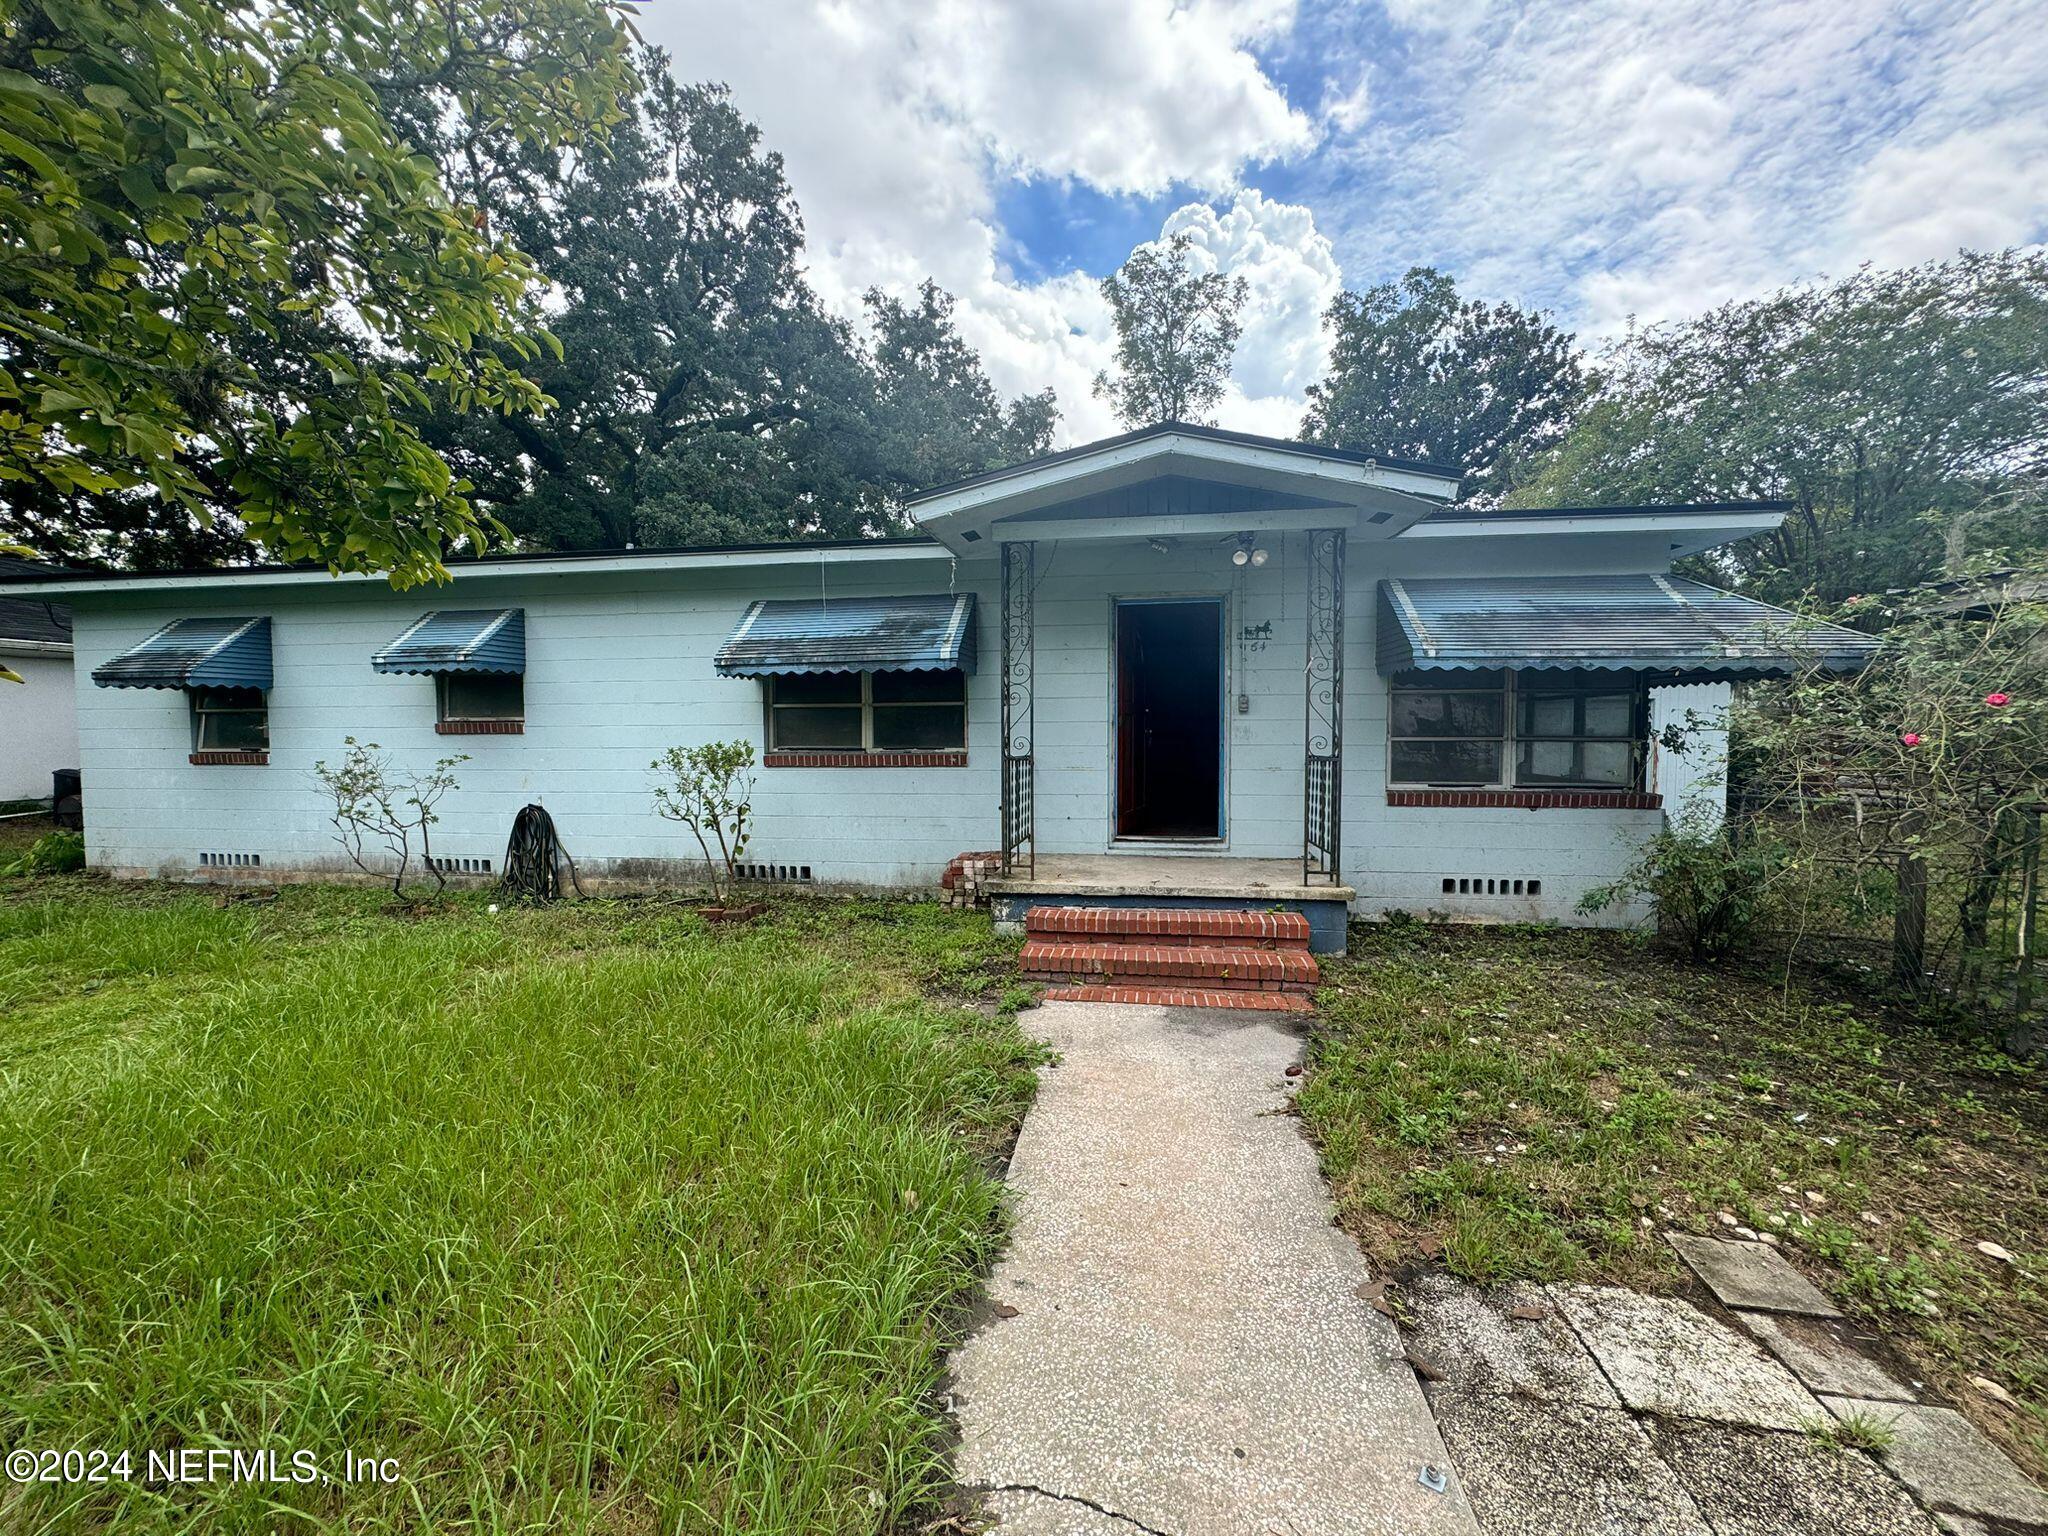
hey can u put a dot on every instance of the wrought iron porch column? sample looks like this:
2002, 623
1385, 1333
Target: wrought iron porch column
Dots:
1019, 660
1323, 732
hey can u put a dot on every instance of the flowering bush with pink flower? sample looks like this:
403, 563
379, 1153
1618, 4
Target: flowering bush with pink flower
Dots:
1937, 750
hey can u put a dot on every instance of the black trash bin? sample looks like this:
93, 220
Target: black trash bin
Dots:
67, 799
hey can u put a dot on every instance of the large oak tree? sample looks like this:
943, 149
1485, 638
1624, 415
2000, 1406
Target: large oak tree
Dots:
233, 270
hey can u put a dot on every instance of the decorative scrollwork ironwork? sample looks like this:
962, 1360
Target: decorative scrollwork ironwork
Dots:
1019, 661
1323, 729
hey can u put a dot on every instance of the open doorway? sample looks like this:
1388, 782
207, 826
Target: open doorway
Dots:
1169, 718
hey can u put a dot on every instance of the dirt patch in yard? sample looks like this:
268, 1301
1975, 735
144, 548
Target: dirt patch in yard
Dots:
1537, 1104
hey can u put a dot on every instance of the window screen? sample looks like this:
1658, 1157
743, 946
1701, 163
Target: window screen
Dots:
230, 720
868, 712
482, 696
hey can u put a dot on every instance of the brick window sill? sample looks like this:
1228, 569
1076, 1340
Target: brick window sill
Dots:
480, 727
864, 760
1530, 799
241, 759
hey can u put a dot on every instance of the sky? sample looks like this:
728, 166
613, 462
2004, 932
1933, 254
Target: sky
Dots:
1610, 161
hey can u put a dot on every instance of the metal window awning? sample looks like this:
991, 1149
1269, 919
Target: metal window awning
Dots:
195, 653
852, 634
459, 640
1635, 623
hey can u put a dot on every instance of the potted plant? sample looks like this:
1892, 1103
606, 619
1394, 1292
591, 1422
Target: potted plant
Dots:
710, 790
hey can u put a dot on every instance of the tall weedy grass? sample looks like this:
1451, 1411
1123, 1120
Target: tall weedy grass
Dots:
590, 1229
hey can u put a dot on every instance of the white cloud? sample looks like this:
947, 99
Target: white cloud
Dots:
1623, 158
1613, 159
897, 117
1980, 188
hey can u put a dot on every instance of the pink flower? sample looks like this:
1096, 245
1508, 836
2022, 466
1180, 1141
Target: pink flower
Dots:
1910, 739
1998, 700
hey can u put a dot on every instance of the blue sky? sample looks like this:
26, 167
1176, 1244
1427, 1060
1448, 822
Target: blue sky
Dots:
1610, 161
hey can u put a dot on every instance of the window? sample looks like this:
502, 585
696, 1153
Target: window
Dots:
468, 696
868, 712
1528, 730
229, 720
1572, 729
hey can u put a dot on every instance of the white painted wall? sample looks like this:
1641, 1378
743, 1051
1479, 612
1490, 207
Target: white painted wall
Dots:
38, 721
1694, 781
619, 668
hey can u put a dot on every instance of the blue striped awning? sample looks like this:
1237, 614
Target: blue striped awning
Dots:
852, 634
459, 640
195, 653
1620, 623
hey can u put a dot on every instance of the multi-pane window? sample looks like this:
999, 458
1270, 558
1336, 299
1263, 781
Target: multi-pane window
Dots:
467, 696
1530, 729
229, 720
868, 712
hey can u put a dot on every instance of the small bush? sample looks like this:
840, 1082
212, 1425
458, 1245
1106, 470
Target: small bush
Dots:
54, 853
1711, 890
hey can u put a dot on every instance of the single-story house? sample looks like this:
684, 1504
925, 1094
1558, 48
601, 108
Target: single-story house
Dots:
39, 713
1183, 663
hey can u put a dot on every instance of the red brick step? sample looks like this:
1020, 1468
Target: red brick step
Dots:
1180, 997
1172, 925
1206, 966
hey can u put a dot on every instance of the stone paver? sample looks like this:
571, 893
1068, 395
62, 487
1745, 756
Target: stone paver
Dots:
1535, 1468
1750, 1482
1188, 1352
1750, 1275
1822, 1353
1940, 1455
1665, 1356
1476, 1343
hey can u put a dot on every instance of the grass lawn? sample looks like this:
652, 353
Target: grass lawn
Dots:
593, 1218
1538, 1103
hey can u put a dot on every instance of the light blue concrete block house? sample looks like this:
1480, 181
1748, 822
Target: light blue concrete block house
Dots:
1183, 662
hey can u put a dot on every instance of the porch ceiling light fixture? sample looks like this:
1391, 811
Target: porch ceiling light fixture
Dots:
1247, 552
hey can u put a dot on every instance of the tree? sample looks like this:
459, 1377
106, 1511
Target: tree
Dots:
704, 396
1419, 371
372, 800
937, 416
710, 790
1884, 408
1176, 330
230, 274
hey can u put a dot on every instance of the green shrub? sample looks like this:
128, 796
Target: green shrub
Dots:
1711, 889
54, 853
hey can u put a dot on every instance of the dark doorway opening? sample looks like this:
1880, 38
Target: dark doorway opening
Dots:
1169, 719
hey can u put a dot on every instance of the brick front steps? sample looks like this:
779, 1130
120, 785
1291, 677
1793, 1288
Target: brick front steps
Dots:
1188, 958
1181, 997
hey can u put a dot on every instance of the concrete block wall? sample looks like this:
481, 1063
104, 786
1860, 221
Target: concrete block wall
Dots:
619, 667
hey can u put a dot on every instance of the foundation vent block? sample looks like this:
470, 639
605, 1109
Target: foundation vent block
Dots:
775, 874
1492, 885
460, 866
230, 861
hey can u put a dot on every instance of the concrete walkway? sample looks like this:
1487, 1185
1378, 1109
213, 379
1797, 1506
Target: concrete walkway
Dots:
1177, 1343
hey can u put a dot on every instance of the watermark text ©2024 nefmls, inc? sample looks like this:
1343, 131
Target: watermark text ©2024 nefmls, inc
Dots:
194, 1464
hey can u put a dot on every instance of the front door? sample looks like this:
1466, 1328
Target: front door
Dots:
1169, 718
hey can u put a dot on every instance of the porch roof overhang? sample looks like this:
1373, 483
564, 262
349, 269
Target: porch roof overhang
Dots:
459, 640
1279, 484
1633, 623
778, 637
195, 653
